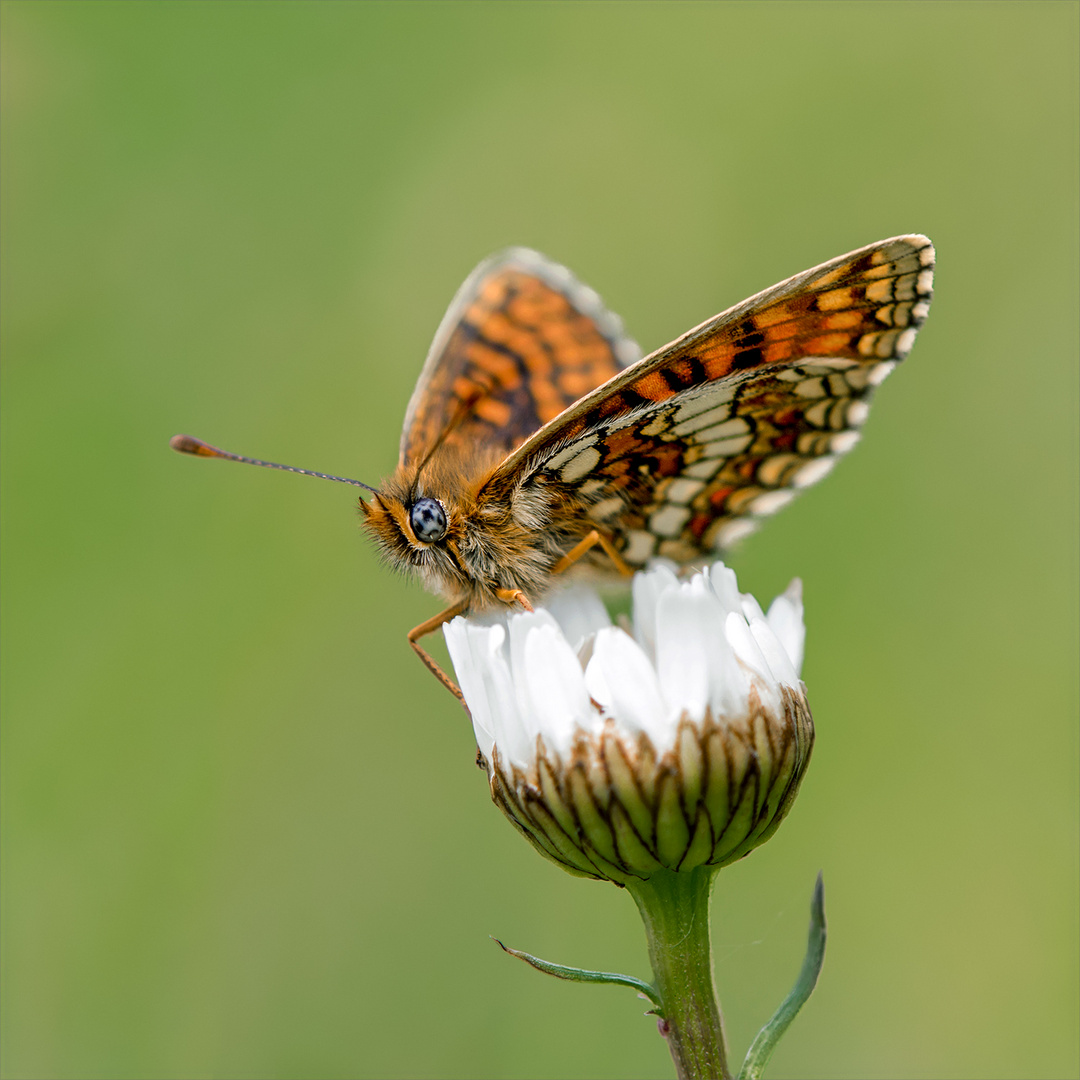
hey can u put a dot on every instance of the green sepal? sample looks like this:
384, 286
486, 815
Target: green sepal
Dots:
757, 1057
573, 974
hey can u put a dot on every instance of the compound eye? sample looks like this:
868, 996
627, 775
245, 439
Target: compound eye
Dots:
428, 520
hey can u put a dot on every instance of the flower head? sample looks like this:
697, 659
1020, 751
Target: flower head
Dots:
619, 753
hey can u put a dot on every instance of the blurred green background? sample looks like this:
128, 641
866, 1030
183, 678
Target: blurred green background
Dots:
243, 834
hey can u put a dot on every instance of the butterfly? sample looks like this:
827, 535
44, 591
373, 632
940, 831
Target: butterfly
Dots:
537, 438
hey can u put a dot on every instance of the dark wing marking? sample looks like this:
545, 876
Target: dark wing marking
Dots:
681, 453
521, 341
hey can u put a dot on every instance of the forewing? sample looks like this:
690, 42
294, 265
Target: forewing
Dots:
682, 453
521, 341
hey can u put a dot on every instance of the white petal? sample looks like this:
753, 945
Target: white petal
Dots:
480, 663
556, 687
746, 648
648, 587
779, 662
751, 608
725, 586
785, 619
521, 624
755, 664
694, 661
622, 679
579, 611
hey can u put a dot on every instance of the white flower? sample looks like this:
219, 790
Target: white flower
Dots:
617, 754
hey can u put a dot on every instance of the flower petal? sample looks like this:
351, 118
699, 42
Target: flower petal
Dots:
746, 648
783, 671
726, 586
521, 623
555, 685
695, 662
621, 678
480, 662
785, 618
648, 587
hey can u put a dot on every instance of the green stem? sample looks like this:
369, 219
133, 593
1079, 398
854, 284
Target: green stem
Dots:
675, 910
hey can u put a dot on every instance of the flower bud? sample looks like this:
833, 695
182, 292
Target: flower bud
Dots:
616, 754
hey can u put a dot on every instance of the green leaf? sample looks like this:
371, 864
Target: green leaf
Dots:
581, 975
757, 1057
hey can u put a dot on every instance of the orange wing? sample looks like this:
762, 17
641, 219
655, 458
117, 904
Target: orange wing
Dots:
521, 341
681, 453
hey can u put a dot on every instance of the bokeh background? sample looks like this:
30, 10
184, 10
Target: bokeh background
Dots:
243, 834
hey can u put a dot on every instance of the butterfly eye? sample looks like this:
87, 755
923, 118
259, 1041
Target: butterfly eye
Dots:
428, 520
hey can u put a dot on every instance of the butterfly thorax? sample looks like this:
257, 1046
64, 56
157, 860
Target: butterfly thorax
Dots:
464, 542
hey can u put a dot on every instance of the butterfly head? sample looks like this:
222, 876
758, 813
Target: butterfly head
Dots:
418, 528
433, 523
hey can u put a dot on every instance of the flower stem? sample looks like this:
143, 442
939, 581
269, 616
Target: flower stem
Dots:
675, 910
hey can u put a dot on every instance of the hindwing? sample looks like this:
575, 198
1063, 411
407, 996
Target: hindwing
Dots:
521, 341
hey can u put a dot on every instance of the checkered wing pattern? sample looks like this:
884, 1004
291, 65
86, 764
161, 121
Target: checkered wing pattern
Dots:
521, 341
682, 453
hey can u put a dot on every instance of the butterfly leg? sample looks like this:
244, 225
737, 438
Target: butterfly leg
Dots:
428, 627
514, 596
586, 545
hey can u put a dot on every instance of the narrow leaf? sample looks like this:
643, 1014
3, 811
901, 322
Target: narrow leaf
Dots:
757, 1057
581, 975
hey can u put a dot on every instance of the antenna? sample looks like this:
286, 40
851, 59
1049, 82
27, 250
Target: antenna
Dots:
185, 444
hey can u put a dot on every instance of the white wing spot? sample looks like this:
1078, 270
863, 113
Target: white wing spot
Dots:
880, 372
857, 412
771, 501
842, 443
669, 520
569, 452
813, 471
736, 426
703, 419
810, 388
682, 490
703, 470
726, 533
925, 282
726, 447
905, 341
639, 546
581, 465
696, 401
